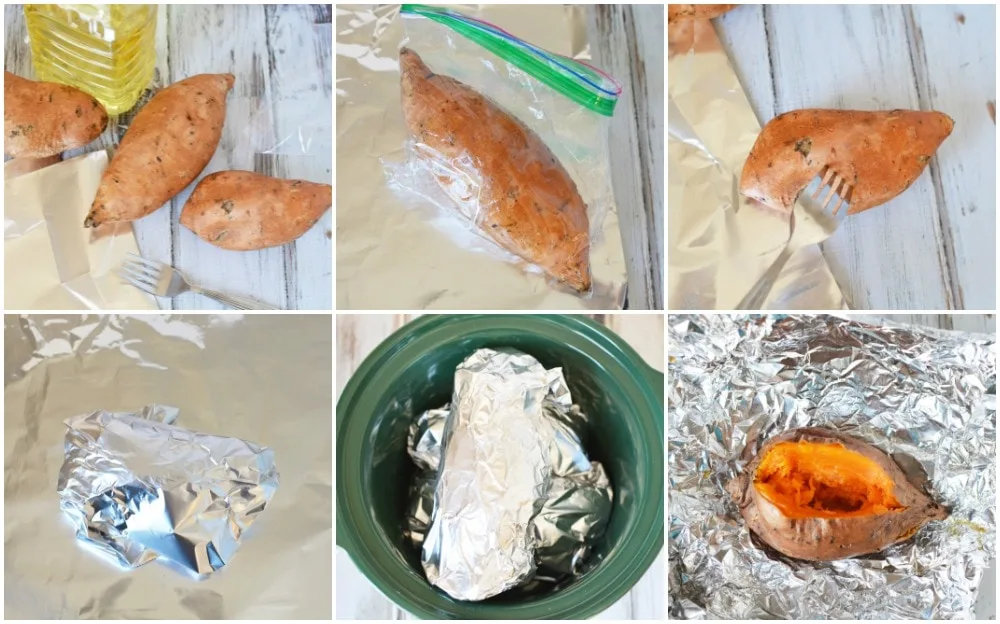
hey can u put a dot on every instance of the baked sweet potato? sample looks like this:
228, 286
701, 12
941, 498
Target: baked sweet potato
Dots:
242, 210
820, 495
166, 147
680, 12
42, 119
880, 153
525, 200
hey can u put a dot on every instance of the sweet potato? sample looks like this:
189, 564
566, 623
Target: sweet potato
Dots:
242, 210
42, 119
525, 199
166, 147
879, 153
680, 12
820, 495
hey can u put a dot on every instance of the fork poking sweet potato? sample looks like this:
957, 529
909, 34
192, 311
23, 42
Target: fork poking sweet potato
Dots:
879, 153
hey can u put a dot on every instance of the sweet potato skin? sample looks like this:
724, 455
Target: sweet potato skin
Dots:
242, 210
166, 147
528, 202
829, 539
680, 12
880, 153
42, 119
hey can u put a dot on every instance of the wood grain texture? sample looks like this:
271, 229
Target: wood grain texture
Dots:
934, 246
359, 335
281, 56
626, 41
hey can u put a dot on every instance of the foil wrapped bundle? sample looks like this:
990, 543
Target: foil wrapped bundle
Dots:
926, 397
507, 495
139, 488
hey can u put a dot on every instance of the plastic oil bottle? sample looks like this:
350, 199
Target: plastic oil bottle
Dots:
107, 50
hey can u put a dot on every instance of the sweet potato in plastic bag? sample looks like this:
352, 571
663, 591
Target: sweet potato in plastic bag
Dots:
508, 138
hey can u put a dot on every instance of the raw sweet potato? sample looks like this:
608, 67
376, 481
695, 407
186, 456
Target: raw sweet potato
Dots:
166, 147
242, 210
42, 119
526, 201
820, 495
679, 12
880, 153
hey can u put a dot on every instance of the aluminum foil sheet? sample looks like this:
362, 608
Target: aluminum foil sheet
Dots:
402, 253
927, 397
265, 378
140, 488
719, 242
537, 501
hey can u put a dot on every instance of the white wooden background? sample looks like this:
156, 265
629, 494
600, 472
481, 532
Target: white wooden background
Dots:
356, 597
626, 41
934, 247
281, 57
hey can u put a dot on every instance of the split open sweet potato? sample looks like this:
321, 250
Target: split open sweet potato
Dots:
820, 495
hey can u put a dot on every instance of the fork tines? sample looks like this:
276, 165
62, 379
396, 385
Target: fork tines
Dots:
141, 273
838, 186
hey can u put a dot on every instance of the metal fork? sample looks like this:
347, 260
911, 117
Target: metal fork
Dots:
163, 280
812, 221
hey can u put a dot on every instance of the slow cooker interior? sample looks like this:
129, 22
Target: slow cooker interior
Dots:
427, 383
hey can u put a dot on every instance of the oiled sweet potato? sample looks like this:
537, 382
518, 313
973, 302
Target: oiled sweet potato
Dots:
820, 495
679, 12
42, 119
242, 210
166, 147
879, 153
526, 201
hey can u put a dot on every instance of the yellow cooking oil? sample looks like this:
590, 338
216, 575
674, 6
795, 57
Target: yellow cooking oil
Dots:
107, 50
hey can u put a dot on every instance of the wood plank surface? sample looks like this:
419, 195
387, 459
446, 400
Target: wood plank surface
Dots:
359, 335
934, 247
626, 41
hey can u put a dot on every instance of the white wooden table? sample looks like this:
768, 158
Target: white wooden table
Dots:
281, 57
626, 40
356, 597
934, 247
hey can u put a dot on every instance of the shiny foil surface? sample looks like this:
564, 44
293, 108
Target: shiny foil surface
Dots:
231, 378
402, 240
536, 501
720, 242
139, 488
927, 397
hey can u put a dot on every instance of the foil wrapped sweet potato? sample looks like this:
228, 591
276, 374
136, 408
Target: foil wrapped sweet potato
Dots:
819, 495
880, 153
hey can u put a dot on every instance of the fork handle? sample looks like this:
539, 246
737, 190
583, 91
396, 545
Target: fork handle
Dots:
235, 301
754, 300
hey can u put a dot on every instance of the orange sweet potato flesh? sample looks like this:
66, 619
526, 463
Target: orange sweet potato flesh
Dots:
242, 210
820, 495
823, 480
166, 147
42, 119
880, 153
527, 201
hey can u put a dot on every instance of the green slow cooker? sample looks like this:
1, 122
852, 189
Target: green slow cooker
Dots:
413, 370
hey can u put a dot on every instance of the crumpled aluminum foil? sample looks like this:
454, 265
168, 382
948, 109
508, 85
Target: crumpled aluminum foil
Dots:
211, 367
140, 488
926, 397
719, 242
553, 501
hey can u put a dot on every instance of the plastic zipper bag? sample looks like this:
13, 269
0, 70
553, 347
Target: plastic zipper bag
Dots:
507, 150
